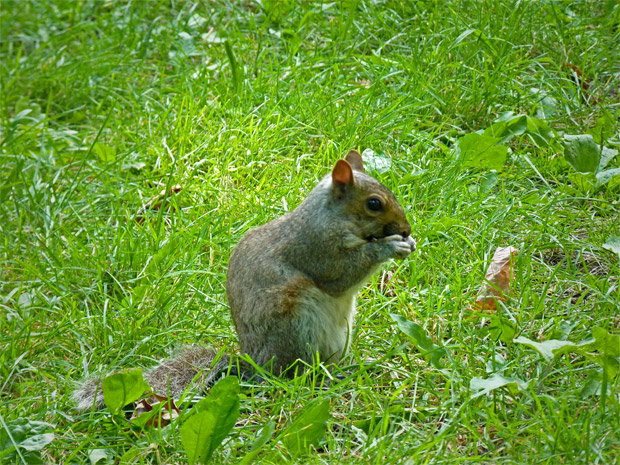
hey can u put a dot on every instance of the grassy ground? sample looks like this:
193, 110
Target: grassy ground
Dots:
240, 107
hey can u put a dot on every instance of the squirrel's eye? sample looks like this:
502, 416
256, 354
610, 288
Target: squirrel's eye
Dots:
374, 204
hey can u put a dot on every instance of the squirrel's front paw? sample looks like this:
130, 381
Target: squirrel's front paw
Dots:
402, 247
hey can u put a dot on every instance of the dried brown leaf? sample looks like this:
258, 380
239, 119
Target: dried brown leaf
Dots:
142, 406
169, 411
496, 286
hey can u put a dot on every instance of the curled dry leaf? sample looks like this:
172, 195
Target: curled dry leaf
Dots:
497, 281
168, 411
142, 406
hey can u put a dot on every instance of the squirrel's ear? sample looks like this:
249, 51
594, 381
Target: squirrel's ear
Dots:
355, 160
342, 175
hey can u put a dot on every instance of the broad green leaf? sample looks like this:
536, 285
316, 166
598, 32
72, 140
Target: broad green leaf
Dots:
37, 442
29, 436
604, 350
257, 447
420, 339
593, 385
509, 125
506, 127
607, 155
506, 116
223, 401
28, 110
613, 243
604, 177
603, 130
142, 420
105, 153
133, 165
21, 429
501, 329
307, 429
605, 342
482, 386
488, 181
547, 107
479, 151
539, 131
197, 437
213, 419
584, 182
546, 348
122, 388
376, 162
98, 456
196, 21
582, 153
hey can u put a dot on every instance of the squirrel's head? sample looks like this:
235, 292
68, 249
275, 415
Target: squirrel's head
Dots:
366, 202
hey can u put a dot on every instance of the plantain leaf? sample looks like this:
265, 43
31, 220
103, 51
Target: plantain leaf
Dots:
106, 153
482, 386
307, 429
546, 348
431, 351
214, 418
122, 388
29, 436
582, 153
480, 151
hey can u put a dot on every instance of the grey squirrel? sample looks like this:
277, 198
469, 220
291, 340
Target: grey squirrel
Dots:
292, 283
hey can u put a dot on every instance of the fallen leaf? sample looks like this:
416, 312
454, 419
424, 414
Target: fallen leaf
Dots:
497, 281
142, 406
160, 414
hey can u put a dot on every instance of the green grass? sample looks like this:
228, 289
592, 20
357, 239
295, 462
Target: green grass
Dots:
106, 104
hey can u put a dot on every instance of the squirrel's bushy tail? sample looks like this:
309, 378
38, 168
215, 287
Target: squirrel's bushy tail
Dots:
192, 366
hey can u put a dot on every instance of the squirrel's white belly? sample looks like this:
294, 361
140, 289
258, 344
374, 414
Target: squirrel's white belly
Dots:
329, 321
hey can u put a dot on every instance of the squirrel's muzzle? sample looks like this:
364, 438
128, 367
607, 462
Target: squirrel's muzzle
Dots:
404, 229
